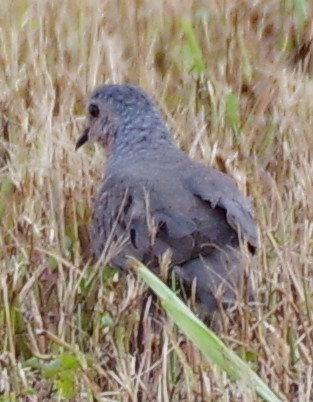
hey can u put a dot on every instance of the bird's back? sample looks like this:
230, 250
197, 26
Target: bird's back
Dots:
146, 195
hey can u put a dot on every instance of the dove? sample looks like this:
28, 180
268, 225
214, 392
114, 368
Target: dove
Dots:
154, 200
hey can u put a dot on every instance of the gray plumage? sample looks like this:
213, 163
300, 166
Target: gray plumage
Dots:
154, 198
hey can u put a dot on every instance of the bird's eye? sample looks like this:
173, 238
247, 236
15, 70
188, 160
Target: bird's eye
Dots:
93, 110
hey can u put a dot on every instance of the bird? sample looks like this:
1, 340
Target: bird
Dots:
155, 201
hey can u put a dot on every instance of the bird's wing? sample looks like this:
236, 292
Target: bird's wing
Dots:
144, 217
125, 222
221, 191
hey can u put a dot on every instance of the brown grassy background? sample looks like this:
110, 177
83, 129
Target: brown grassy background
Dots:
234, 81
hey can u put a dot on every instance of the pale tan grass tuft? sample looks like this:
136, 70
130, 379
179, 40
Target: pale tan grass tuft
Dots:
246, 108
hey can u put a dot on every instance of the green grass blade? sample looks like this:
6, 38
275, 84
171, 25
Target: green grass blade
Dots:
191, 52
209, 344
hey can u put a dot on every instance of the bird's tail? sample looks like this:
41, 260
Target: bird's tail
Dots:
220, 279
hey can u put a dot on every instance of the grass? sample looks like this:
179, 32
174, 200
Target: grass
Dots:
234, 84
203, 338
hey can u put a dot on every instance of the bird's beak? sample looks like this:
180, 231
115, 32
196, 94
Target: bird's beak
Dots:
82, 139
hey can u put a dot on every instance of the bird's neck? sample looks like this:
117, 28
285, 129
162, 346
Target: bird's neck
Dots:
139, 144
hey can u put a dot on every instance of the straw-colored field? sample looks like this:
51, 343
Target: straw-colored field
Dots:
234, 82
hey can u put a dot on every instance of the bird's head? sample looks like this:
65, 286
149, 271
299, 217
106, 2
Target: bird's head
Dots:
121, 117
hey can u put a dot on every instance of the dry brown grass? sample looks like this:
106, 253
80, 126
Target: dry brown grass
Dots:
52, 54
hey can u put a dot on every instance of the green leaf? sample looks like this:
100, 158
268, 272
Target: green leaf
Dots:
33, 362
66, 384
62, 363
108, 273
7, 187
232, 112
300, 10
52, 262
191, 52
106, 320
